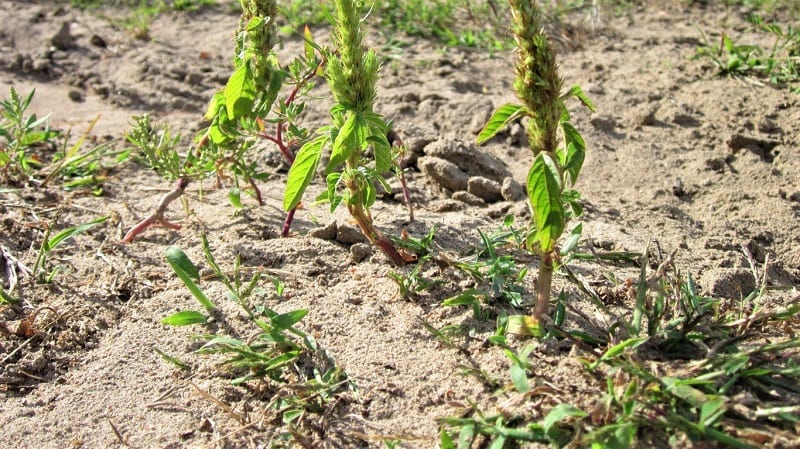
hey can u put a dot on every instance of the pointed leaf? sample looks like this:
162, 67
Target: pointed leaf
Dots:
302, 171
559, 413
577, 92
347, 141
186, 270
185, 318
239, 94
71, 232
501, 118
544, 192
289, 319
383, 153
575, 151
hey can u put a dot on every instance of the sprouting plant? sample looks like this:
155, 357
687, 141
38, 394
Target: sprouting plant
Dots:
19, 133
499, 275
50, 243
780, 63
280, 356
557, 147
352, 177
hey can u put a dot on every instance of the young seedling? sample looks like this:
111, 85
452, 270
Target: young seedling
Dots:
18, 134
352, 75
49, 244
557, 158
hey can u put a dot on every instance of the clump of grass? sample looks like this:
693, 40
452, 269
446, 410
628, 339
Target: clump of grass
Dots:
682, 367
31, 155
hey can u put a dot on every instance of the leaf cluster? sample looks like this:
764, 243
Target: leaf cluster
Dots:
19, 135
780, 63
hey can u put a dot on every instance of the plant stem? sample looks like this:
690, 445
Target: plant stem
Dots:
543, 285
375, 237
157, 217
287, 223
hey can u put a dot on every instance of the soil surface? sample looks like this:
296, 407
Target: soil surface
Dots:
679, 160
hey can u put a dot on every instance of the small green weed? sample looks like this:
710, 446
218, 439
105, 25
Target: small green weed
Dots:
41, 275
495, 269
286, 361
780, 64
19, 135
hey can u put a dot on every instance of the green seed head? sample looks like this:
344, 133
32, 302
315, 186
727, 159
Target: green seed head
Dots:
537, 84
256, 39
353, 72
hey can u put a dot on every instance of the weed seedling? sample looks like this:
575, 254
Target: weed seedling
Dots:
19, 133
49, 244
280, 357
352, 75
555, 166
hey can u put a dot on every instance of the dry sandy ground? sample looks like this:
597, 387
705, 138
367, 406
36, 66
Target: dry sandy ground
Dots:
678, 160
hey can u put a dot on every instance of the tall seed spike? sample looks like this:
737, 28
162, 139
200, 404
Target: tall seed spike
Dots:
537, 83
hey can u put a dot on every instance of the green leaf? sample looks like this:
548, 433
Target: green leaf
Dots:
466, 436
577, 92
573, 239
186, 271
309, 47
383, 153
519, 376
287, 320
71, 232
711, 411
544, 191
501, 118
235, 197
350, 137
302, 171
445, 441
616, 350
185, 318
575, 151
239, 93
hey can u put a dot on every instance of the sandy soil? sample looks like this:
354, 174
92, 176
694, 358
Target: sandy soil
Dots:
678, 160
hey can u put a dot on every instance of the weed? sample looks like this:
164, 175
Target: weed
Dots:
280, 357
19, 134
555, 167
780, 64
49, 244
247, 109
499, 275
679, 365
352, 76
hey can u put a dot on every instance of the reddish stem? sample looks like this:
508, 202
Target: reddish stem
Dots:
285, 148
287, 223
157, 217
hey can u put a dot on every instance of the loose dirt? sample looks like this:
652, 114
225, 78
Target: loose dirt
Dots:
678, 160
